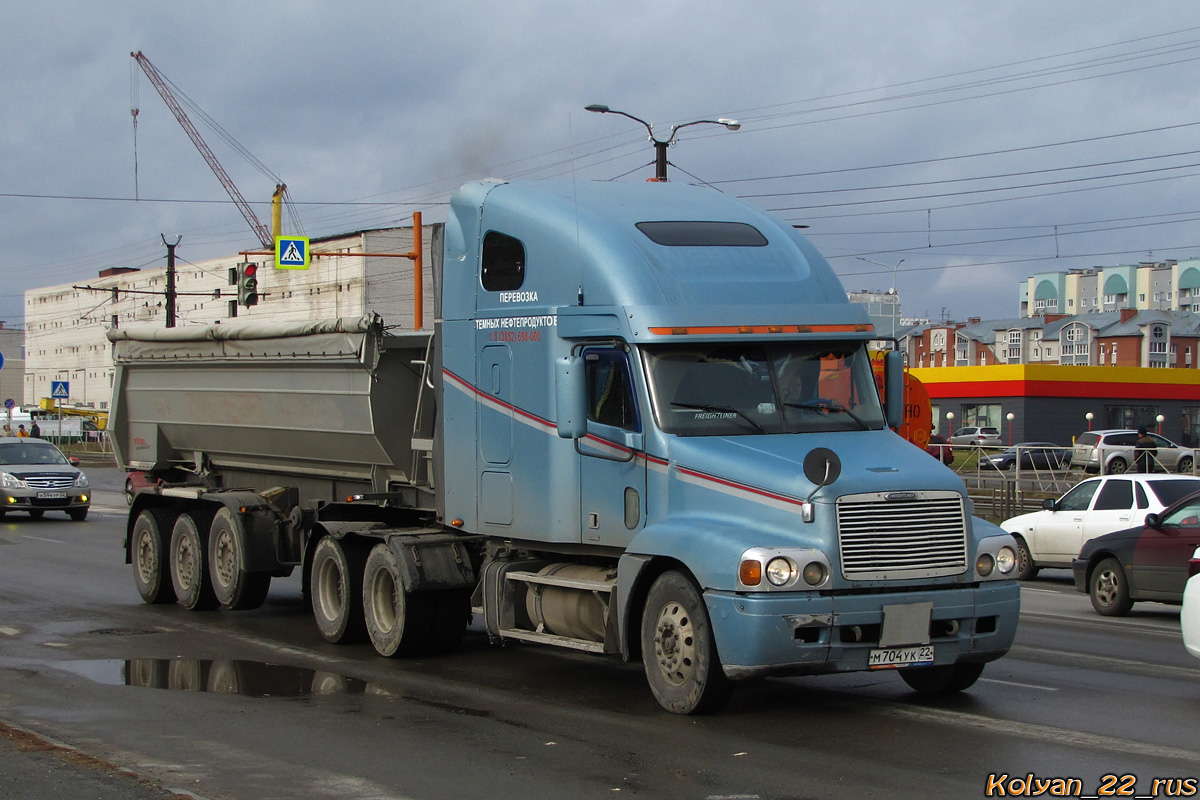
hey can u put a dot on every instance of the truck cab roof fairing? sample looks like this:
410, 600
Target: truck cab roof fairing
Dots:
585, 235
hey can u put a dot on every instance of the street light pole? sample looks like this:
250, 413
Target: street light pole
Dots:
661, 145
896, 306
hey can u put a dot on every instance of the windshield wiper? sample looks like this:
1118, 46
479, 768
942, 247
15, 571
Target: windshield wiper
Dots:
720, 410
827, 406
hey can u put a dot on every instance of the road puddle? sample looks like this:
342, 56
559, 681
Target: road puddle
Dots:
228, 676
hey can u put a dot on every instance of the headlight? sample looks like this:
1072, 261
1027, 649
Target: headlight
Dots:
815, 573
780, 571
1006, 560
81, 480
11, 481
984, 564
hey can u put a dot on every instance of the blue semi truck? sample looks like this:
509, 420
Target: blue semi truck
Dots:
644, 424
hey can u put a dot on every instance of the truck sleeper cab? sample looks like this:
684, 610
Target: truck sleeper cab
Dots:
645, 424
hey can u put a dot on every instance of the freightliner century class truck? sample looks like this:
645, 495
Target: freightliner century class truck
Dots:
644, 424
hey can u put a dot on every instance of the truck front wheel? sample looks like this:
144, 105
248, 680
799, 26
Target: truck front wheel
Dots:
942, 679
189, 570
235, 588
678, 650
337, 576
399, 623
150, 547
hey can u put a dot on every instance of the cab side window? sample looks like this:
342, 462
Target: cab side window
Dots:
610, 396
502, 267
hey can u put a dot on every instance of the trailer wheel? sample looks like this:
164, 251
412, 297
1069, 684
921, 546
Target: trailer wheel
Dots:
336, 587
678, 649
942, 679
150, 545
399, 623
189, 571
235, 588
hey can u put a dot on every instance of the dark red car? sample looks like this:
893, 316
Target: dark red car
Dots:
939, 448
1149, 562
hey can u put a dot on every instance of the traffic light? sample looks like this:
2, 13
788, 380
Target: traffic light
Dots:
247, 284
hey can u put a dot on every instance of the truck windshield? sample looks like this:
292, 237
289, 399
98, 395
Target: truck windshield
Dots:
723, 389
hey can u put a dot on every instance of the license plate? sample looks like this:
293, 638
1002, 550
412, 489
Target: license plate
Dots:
891, 657
52, 495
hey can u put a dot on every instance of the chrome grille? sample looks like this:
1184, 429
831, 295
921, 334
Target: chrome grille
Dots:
912, 535
50, 481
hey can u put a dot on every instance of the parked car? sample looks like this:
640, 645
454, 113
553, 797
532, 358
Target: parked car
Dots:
1189, 615
940, 449
1110, 452
1148, 562
973, 434
1034, 455
1054, 536
35, 477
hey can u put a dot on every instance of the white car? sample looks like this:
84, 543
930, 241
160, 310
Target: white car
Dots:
1189, 615
1054, 536
975, 435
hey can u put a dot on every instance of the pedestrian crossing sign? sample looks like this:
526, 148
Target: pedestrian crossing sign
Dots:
291, 252
60, 390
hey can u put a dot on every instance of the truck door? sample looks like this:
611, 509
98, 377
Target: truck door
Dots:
496, 438
612, 474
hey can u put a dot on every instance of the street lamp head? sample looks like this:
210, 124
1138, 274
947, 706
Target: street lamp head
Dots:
731, 124
597, 108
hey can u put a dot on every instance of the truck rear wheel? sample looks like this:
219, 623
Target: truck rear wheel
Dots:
678, 649
336, 586
942, 679
235, 588
149, 546
399, 623
189, 568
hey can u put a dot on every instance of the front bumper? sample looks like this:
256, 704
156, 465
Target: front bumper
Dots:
809, 634
28, 500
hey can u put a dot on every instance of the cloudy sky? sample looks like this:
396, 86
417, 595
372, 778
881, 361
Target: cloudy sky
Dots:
953, 147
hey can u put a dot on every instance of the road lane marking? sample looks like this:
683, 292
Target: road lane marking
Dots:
1027, 731
7, 631
1107, 623
42, 539
1021, 685
1109, 662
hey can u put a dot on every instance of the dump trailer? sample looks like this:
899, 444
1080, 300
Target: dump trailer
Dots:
643, 424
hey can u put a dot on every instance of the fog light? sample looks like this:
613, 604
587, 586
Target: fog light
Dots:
750, 573
984, 564
1006, 560
780, 571
83, 498
814, 573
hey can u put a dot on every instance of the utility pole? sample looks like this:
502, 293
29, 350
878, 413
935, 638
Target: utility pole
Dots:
170, 278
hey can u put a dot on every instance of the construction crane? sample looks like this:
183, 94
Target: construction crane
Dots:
264, 235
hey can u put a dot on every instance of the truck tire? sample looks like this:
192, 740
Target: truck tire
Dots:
942, 679
234, 587
399, 623
678, 649
189, 570
149, 548
451, 615
336, 587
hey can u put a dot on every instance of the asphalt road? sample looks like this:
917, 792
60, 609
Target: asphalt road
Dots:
242, 705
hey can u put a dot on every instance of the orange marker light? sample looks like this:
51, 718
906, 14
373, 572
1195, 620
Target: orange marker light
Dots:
750, 573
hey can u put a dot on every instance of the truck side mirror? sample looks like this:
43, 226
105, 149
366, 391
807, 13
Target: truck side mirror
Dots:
570, 397
893, 381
